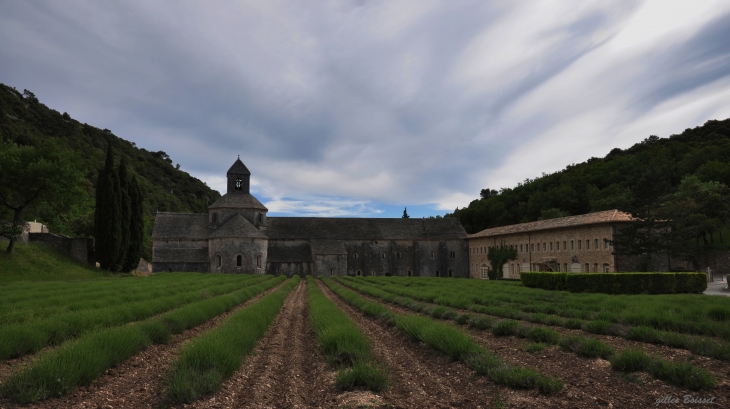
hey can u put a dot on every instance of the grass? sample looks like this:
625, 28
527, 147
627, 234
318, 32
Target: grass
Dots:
208, 360
38, 262
456, 344
19, 339
343, 344
76, 363
682, 374
657, 319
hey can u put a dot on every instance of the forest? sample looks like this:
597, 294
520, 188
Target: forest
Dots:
25, 121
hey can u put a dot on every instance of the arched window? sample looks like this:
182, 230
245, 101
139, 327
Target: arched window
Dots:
451, 273
239, 260
218, 260
358, 273
239, 184
258, 260
485, 271
438, 273
382, 255
372, 273
354, 255
605, 268
433, 254
410, 273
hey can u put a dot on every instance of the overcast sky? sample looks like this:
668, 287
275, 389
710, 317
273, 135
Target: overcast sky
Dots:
359, 108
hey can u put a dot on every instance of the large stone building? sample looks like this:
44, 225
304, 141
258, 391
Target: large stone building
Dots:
569, 244
236, 236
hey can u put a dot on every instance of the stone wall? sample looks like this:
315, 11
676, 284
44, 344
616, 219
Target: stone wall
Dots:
224, 254
81, 249
408, 258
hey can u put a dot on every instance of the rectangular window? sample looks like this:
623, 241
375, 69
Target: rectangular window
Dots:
564, 246
538, 247
588, 244
596, 243
572, 245
580, 244
551, 246
544, 246
605, 243
532, 247
588, 269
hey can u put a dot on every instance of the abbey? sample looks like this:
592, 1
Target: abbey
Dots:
236, 236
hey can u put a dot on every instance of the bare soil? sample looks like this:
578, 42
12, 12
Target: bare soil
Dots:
591, 382
138, 382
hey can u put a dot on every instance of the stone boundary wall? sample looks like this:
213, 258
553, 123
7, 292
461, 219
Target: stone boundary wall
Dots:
81, 249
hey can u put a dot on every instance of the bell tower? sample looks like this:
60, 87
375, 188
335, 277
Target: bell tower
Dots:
239, 178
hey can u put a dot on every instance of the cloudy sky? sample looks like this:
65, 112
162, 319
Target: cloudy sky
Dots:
359, 108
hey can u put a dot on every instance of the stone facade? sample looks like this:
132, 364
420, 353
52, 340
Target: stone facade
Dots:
236, 236
568, 244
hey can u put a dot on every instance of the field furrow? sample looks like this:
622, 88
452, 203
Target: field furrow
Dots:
588, 382
420, 377
138, 382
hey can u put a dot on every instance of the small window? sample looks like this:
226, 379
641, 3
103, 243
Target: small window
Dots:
433, 255
451, 273
572, 245
580, 244
588, 268
354, 255
452, 254
596, 244
410, 273
372, 273
239, 184
551, 246
438, 273
564, 246
544, 246
214, 218
239, 260
588, 244
605, 243
258, 260
358, 273
382, 255
218, 260
605, 268
332, 271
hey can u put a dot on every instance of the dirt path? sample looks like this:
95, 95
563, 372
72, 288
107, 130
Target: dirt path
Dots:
139, 381
421, 377
285, 370
589, 383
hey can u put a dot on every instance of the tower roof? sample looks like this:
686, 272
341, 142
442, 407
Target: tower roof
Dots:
237, 227
238, 168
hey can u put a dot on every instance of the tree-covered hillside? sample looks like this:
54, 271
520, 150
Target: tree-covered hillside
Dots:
26, 121
618, 180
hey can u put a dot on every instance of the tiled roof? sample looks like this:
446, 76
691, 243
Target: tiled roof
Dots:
237, 201
607, 216
180, 255
191, 226
328, 247
364, 229
288, 252
237, 226
238, 168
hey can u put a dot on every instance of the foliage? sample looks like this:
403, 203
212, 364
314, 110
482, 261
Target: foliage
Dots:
682, 374
136, 227
635, 180
27, 122
30, 175
498, 256
617, 283
108, 215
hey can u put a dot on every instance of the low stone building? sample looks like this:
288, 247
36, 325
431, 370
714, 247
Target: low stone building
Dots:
236, 236
568, 244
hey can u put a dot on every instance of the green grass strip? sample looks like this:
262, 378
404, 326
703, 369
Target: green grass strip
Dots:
457, 344
343, 344
682, 374
206, 362
25, 338
79, 362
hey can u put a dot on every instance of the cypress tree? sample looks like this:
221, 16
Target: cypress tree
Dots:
125, 207
107, 218
136, 226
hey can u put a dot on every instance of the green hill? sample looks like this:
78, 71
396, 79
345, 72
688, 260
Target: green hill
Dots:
26, 121
607, 183
36, 261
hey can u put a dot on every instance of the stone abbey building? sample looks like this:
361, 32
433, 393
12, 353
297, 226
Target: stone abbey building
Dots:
236, 236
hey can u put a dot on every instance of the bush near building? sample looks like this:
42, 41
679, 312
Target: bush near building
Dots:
617, 283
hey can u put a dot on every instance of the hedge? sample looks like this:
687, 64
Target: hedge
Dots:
617, 283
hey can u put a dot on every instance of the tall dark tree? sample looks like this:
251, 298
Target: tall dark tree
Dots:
125, 205
136, 227
405, 214
108, 216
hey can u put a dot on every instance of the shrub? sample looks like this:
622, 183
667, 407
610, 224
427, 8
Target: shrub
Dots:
587, 347
681, 374
543, 335
547, 281
481, 322
617, 283
505, 328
